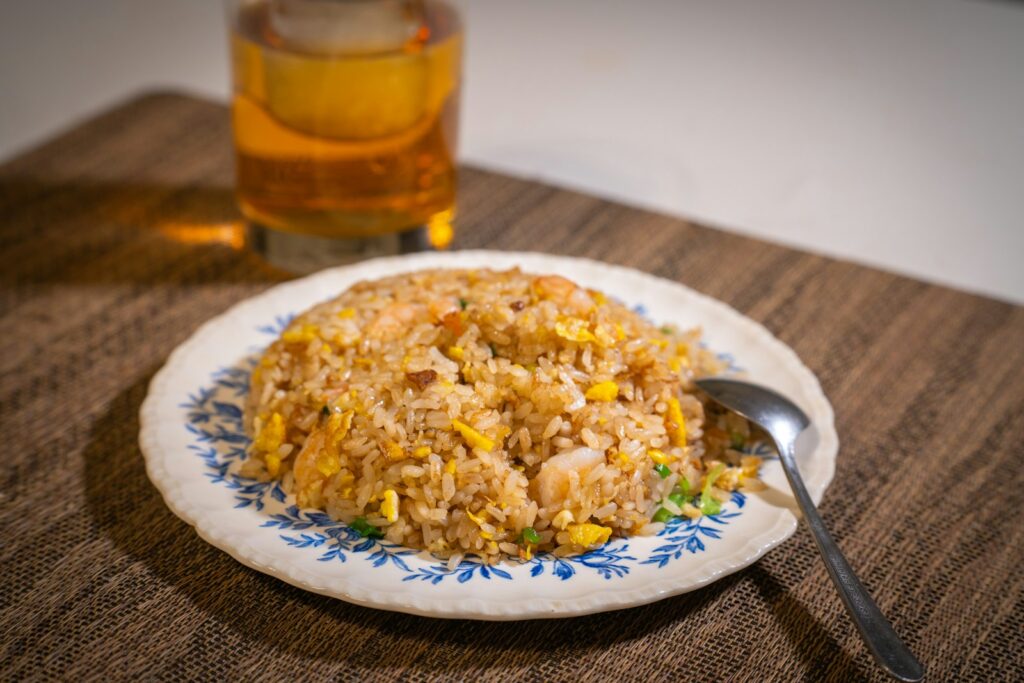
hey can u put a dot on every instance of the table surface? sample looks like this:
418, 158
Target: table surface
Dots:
120, 237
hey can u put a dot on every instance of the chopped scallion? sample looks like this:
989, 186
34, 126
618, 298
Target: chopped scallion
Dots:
709, 505
531, 536
679, 498
662, 515
683, 486
662, 470
712, 476
365, 529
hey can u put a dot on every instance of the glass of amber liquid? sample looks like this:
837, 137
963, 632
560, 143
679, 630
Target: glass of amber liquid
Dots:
345, 115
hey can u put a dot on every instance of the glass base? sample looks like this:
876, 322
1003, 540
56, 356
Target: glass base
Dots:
302, 254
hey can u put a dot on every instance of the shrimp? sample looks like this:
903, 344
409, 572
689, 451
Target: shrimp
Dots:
307, 475
563, 291
319, 458
448, 311
393, 320
440, 308
553, 479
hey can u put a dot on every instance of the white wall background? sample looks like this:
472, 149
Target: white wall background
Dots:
890, 132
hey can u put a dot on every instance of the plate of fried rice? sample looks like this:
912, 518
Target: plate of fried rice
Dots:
477, 434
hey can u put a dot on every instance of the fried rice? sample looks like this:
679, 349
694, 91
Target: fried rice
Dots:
492, 413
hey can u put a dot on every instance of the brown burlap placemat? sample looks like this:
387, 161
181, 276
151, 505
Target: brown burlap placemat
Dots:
116, 245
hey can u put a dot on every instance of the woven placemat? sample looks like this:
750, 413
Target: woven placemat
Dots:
116, 244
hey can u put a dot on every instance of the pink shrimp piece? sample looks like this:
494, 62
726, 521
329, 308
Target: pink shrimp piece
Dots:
394, 320
439, 308
563, 291
308, 477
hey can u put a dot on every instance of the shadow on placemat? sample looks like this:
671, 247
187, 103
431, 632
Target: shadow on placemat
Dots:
237, 607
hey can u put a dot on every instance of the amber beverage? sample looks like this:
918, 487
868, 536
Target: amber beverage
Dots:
345, 114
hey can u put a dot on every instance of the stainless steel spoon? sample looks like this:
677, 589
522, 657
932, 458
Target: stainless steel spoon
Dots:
784, 421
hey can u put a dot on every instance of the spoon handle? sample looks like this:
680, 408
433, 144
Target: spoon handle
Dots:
876, 631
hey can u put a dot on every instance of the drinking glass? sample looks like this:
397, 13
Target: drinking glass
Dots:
345, 115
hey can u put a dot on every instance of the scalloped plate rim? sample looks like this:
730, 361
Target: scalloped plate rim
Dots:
610, 597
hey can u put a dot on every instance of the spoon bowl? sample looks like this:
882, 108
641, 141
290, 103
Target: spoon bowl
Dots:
775, 413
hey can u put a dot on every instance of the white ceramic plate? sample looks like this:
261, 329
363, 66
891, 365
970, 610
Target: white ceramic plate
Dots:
192, 439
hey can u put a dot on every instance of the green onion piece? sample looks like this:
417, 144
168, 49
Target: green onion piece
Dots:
737, 440
709, 505
530, 535
365, 529
683, 486
463, 303
662, 515
666, 330
662, 470
713, 475
679, 498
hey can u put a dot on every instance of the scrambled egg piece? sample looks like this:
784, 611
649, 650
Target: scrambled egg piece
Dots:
389, 506
659, 456
603, 391
588, 535
474, 438
302, 335
677, 426
575, 330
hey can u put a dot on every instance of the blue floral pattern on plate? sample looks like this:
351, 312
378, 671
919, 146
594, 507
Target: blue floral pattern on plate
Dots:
214, 420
